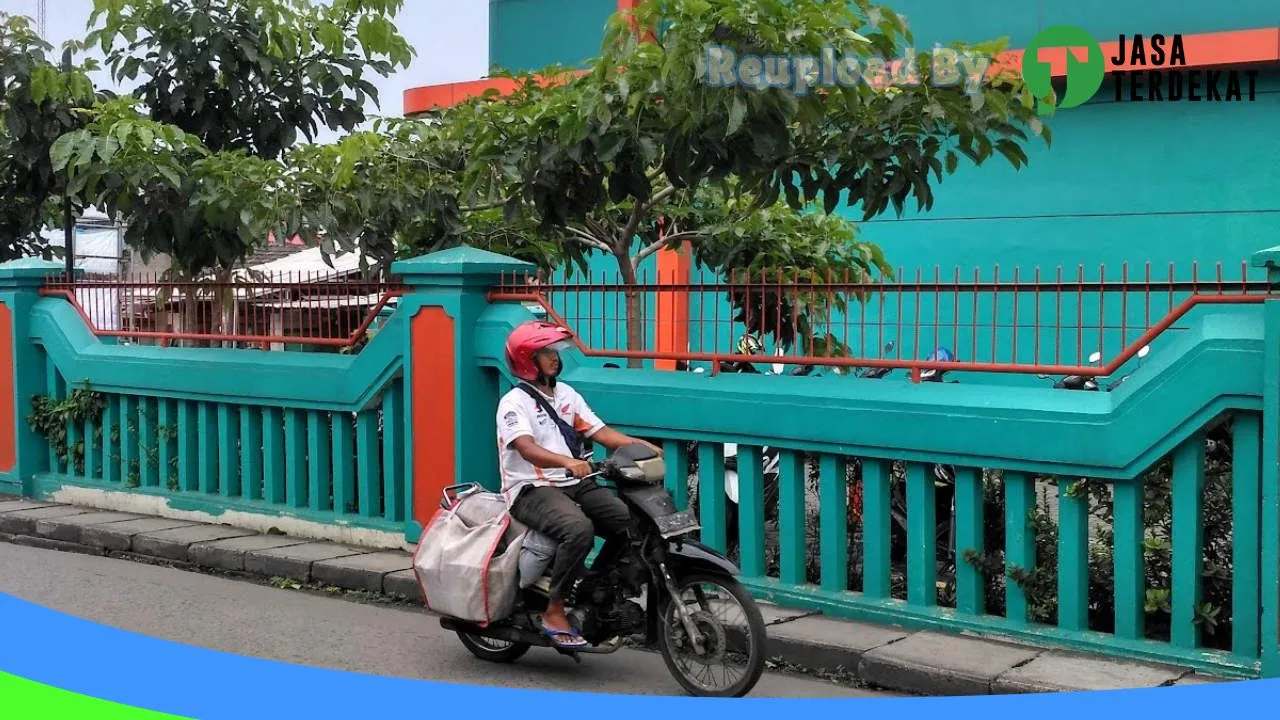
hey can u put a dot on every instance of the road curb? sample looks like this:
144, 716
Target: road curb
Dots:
886, 657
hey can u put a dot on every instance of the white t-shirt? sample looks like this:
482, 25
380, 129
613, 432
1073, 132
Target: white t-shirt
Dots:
519, 415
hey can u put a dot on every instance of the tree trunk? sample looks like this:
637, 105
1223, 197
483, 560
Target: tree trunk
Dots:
635, 308
225, 301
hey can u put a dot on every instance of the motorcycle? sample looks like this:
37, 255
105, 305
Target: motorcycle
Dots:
1090, 384
638, 589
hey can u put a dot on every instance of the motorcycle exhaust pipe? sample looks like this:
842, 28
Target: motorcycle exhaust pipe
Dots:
495, 632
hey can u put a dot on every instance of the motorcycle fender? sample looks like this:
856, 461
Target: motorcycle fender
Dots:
690, 556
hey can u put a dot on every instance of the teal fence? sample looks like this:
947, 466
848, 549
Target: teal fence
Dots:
1170, 551
314, 436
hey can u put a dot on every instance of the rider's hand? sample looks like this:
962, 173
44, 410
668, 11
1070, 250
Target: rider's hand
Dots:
578, 468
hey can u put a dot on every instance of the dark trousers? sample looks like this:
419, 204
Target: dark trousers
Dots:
572, 516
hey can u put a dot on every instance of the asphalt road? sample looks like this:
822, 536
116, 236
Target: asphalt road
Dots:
290, 626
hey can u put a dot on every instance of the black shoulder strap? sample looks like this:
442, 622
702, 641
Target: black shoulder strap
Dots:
571, 437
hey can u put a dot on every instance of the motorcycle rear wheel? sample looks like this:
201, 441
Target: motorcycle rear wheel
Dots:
755, 646
492, 650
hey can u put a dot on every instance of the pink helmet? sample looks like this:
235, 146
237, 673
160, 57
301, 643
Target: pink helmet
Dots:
527, 339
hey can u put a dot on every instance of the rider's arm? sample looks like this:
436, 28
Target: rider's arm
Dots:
613, 439
539, 456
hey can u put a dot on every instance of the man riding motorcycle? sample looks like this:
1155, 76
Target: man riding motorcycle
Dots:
543, 427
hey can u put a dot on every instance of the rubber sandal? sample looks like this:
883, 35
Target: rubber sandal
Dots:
575, 642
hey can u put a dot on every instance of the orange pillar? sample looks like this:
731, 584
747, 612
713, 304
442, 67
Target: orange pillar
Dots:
672, 331
432, 402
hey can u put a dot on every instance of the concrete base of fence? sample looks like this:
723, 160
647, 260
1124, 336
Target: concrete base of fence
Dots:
926, 663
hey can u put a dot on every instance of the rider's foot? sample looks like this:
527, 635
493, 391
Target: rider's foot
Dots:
556, 621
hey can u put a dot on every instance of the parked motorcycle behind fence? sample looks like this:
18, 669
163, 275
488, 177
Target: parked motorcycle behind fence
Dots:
944, 475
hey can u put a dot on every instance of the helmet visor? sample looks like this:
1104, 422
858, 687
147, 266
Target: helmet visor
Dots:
557, 347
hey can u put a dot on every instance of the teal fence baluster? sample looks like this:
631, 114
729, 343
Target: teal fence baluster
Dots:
833, 522
393, 491
922, 544
792, 548
273, 466
251, 452
1188, 540
1246, 504
676, 458
970, 585
751, 511
876, 525
1130, 582
129, 441
319, 456
228, 450
111, 441
56, 390
1073, 557
344, 462
208, 448
148, 439
166, 444
369, 472
92, 449
188, 445
711, 500
1020, 541
295, 457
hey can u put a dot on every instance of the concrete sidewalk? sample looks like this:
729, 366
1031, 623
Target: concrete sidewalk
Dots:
892, 658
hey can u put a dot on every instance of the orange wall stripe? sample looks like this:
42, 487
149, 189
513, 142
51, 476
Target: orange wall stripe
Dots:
8, 406
1204, 50
432, 357
431, 97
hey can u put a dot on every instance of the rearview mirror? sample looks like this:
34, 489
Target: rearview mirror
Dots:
1095, 357
1143, 352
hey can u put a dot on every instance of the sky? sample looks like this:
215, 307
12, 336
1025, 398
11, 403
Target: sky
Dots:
451, 37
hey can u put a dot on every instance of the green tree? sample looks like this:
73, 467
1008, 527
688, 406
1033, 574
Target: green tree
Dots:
226, 89
38, 106
751, 177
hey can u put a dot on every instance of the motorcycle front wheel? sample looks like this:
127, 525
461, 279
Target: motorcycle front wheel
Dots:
733, 642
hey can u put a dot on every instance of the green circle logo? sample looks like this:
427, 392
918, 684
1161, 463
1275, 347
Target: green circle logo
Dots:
1084, 76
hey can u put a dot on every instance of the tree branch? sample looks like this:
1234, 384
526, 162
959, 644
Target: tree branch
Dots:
657, 245
661, 195
587, 238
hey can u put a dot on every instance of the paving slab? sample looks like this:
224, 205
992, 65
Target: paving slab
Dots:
403, 583
820, 643
360, 572
228, 554
23, 522
15, 504
172, 544
119, 535
932, 663
70, 528
295, 561
1056, 671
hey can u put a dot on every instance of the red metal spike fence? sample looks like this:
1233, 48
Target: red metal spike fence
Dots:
302, 308
1010, 321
